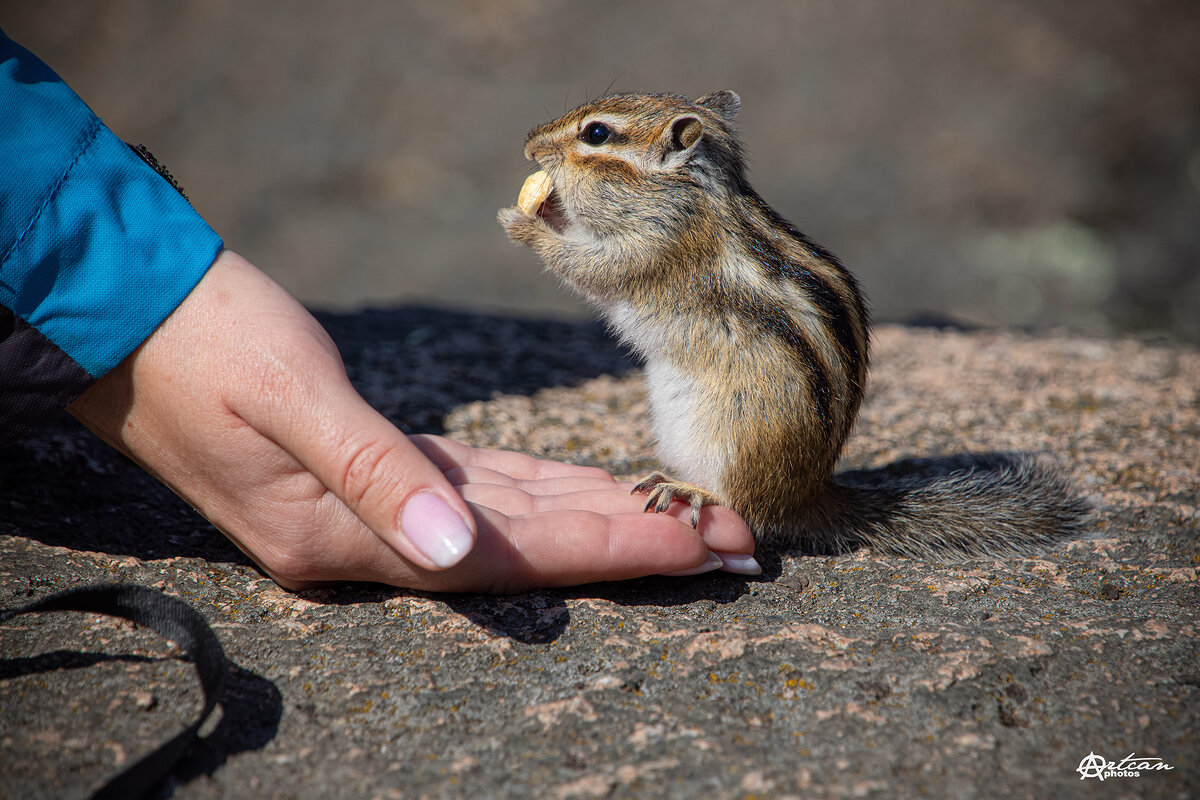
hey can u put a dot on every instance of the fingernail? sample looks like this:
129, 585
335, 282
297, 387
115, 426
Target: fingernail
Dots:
433, 528
712, 562
740, 564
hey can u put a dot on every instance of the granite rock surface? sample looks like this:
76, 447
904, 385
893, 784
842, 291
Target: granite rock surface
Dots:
855, 675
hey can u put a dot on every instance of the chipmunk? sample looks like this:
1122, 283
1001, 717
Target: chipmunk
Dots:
755, 340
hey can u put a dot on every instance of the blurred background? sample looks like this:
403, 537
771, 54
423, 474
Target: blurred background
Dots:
1028, 163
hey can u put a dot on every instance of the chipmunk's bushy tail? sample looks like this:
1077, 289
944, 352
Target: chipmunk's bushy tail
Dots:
974, 505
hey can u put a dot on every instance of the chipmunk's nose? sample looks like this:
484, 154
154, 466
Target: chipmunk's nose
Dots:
537, 143
532, 145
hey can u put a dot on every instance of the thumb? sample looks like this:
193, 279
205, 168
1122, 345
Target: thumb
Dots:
373, 468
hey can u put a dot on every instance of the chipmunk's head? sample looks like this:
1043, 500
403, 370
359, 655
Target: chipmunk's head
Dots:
629, 160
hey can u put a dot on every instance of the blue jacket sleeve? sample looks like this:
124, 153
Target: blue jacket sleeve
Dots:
96, 248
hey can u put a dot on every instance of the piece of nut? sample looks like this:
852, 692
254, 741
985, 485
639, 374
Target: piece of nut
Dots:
534, 191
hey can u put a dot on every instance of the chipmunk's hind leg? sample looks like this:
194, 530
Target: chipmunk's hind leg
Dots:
663, 489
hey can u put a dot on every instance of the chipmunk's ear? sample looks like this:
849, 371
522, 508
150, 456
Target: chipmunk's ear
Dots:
725, 103
683, 134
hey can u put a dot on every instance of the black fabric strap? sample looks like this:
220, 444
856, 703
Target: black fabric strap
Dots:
177, 621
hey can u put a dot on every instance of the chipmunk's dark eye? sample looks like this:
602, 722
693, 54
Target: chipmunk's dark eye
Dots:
596, 134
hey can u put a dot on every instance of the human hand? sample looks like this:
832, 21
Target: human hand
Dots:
545, 523
240, 404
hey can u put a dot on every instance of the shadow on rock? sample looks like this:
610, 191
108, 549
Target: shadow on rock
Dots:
416, 364
251, 708
659, 590
541, 617
531, 618
63, 659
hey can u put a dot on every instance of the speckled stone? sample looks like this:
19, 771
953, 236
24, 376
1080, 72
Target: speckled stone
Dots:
848, 676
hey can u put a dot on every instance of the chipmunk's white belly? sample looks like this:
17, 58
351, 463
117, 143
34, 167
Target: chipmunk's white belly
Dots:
686, 445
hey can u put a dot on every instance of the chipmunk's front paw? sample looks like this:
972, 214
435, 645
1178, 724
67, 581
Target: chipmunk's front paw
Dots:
663, 489
521, 227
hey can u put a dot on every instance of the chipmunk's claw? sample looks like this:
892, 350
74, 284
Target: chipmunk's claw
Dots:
662, 490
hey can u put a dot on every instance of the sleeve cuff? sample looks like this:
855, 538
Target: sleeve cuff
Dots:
112, 252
